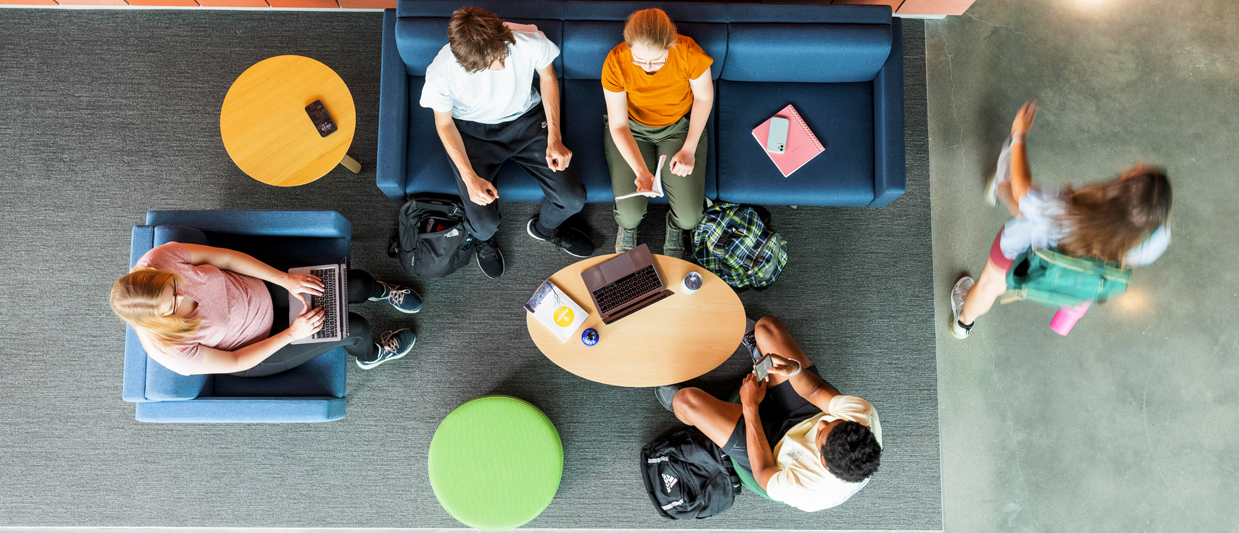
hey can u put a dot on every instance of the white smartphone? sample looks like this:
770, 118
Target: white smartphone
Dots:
762, 368
776, 139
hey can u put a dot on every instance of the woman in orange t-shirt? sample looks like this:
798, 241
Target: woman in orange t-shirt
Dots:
660, 81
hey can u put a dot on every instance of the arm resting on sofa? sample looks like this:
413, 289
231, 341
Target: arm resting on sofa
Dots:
889, 167
390, 173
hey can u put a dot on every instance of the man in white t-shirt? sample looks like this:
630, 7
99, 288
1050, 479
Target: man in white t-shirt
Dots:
828, 444
487, 111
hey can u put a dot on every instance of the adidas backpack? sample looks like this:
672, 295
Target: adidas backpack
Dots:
736, 244
1049, 277
688, 476
432, 241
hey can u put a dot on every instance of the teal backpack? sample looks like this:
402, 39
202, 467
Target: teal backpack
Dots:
1049, 277
736, 244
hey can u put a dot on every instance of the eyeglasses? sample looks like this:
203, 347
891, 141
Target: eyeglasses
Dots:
650, 64
174, 301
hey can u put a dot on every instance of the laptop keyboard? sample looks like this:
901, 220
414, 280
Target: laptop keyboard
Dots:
327, 302
625, 289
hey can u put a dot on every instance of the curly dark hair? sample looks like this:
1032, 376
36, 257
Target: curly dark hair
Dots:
851, 452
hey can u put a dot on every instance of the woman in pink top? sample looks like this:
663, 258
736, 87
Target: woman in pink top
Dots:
204, 310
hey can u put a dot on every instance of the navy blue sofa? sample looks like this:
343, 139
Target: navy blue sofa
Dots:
313, 392
841, 66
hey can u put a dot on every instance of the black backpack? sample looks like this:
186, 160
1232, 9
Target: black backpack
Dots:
688, 476
432, 241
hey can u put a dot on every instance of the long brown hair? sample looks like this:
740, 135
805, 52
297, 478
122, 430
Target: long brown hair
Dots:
652, 28
478, 38
136, 299
1107, 220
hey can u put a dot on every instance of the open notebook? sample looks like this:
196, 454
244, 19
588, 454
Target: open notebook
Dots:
658, 181
802, 144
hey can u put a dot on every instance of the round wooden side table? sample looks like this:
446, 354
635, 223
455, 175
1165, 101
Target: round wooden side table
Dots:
676, 339
265, 127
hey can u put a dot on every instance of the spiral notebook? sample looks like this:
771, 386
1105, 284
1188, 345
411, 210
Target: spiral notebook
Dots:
802, 144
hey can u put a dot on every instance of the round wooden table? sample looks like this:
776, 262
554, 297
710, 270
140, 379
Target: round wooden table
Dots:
266, 129
676, 339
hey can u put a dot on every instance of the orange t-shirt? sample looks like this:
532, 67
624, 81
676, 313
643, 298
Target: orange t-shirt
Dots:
661, 98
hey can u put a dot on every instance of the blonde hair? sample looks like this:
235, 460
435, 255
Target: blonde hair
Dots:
136, 299
652, 28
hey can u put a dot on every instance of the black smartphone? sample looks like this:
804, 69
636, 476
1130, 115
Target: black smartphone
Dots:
321, 118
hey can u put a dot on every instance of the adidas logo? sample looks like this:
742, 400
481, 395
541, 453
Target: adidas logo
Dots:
669, 481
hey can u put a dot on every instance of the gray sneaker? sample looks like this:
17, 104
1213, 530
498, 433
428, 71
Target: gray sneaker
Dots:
673, 245
665, 395
625, 239
958, 293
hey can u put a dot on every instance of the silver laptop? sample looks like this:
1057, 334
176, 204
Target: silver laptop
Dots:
334, 302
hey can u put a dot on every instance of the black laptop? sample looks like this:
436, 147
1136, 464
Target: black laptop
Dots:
625, 284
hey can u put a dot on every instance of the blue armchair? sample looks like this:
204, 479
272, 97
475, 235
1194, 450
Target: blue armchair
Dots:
313, 392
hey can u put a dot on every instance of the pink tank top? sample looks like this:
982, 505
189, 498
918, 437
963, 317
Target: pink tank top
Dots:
235, 310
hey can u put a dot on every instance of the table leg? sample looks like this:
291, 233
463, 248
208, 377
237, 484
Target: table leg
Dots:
351, 164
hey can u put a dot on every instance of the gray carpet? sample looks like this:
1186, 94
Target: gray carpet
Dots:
109, 114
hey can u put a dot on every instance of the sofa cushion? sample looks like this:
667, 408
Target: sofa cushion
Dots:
584, 130
324, 375
839, 114
419, 40
587, 43
810, 53
165, 385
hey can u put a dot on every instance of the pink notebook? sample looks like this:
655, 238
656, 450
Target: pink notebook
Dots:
802, 144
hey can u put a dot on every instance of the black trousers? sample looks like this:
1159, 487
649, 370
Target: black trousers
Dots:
359, 343
522, 140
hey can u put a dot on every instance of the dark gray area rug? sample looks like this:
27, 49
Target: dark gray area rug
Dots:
108, 114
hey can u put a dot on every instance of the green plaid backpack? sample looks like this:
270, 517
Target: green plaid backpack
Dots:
735, 243
1049, 277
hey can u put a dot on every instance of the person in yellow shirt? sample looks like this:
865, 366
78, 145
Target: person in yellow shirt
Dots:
828, 444
660, 82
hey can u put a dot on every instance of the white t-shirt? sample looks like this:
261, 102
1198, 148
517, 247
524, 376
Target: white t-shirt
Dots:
802, 481
1039, 227
490, 96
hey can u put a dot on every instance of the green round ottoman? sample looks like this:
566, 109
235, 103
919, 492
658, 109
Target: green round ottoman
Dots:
495, 463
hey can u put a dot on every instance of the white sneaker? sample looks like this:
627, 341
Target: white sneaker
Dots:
958, 293
991, 191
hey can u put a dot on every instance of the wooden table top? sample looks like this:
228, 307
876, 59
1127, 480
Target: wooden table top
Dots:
674, 340
265, 127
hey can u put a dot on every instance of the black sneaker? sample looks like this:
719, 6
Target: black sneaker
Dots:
392, 345
571, 240
490, 259
665, 395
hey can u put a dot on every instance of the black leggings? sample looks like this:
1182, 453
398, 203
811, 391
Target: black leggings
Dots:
359, 343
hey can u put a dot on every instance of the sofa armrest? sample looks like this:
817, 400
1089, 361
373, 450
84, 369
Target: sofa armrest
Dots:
243, 410
889, 166
323, 224
390, 170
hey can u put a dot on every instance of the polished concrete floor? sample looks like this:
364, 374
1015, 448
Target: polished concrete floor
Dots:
1131, 423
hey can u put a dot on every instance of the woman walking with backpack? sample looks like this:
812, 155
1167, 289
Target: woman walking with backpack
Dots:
1124, 222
